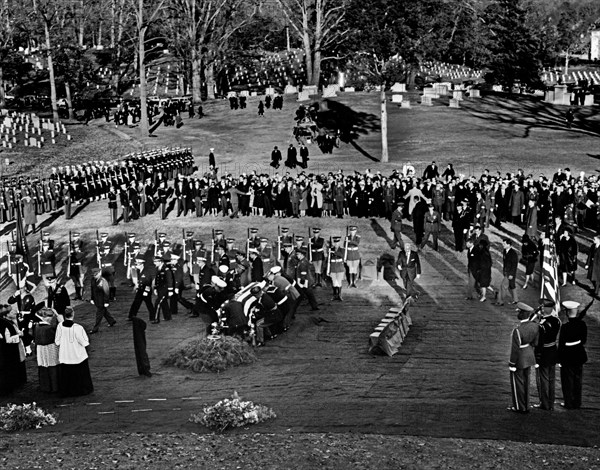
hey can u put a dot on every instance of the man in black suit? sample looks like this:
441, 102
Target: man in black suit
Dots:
409, 266
511, 263
431, 172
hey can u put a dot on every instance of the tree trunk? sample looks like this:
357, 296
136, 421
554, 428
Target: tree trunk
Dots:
384, 138
53, 99
308, 59
144, 127
316, 68
2, 96
210, 80
100, 34
81, 23
69, 100
196, 91
113, 22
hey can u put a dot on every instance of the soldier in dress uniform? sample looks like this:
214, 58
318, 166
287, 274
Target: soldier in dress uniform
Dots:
112, 205
189, 245
317, 247
266, 254
218, 241
107, 264
47, 264
20, 272
304, 280
160, 244
242, 269
522, 358
124, 197
76, 259
46, 238
290, 270
335, 267
149, 191
161, 196
176, 267
546, 355
201, 272
210, 298
572, 354
231, 252
284, 237
254, 239
163, 288
289, 295
352, 255
132, 250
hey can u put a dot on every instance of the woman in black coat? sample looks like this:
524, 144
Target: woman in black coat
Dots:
483, 274
567, 256
530, 253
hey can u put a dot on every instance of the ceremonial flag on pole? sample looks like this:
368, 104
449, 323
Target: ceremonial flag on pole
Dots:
21, 240
550, 284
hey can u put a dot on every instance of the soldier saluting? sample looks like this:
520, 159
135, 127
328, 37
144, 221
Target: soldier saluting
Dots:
351, 254
317, 248
335, 267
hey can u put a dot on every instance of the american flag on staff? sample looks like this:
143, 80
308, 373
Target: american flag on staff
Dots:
550, 284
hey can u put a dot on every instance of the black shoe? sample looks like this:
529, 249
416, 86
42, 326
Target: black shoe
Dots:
148, 374
129, 318
154, 322
92, 332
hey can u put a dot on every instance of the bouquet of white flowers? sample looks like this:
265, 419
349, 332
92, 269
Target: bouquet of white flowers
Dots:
232, 413
26, 416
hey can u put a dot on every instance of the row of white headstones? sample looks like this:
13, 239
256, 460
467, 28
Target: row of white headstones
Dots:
28, 128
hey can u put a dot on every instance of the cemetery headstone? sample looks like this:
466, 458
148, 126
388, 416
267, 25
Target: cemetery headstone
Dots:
454, 103
398, 88
290, 90
426, 100
405, 104
303, 96
397, 98
349, 89
329, 92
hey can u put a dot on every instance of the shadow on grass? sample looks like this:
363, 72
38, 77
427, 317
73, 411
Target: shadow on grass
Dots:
532, 113
349, 123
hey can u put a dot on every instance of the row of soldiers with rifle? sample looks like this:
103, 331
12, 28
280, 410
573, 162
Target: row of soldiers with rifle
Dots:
333, 260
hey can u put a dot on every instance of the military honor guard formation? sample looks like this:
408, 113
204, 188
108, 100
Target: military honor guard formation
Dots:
252, 288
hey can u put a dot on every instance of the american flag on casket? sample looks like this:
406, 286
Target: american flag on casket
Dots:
242, 302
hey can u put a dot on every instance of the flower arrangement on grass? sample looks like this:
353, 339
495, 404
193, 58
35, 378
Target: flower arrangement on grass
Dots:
26, 416
232, 413
213, 353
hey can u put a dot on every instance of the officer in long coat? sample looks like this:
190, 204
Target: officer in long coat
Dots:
524, 339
